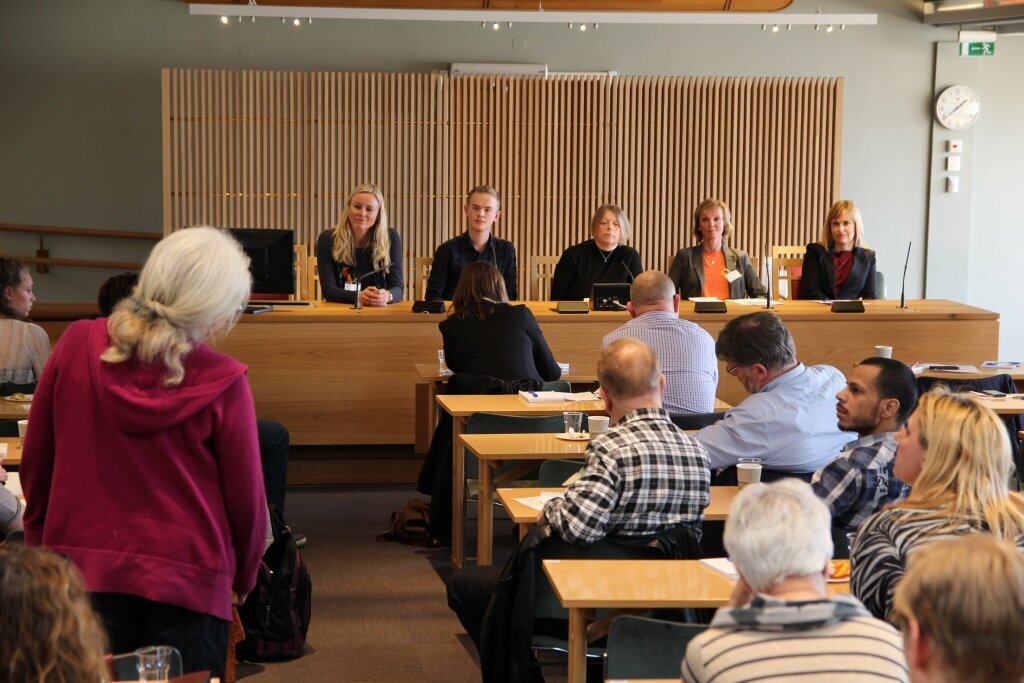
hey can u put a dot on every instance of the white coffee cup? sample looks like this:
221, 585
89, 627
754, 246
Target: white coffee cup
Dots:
598, 423
748, 471
22, 428
883, 351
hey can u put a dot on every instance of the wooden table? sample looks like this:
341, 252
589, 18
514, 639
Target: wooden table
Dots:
334, 375
10, 410
460, 407
13, 459
716, 511
1011, 405
582, 586
430, 382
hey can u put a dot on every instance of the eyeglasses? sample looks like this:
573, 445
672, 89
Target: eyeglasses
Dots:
733, 369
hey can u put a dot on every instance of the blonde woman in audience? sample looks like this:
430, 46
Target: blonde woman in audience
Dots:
711, 268
142, 461
24, 347
955, 454
839, 266
48, 630
961, 609
361, 243
780, 624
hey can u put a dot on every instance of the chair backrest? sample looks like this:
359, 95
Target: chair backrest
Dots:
1002, 382
880, 292
555, 472
788, 251
422, 264
557, 385
542, 269
695, 420
313, 290
786, 273
639, 647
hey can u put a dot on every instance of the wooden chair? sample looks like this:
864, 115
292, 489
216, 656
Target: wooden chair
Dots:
422, 265
788, 251
788, 271
542, 269
312, 291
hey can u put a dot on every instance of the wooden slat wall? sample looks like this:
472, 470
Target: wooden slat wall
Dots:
281, 149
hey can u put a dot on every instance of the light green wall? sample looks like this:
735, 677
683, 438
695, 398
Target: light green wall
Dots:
80, 83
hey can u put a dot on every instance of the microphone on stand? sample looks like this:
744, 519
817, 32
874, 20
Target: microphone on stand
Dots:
768, 276
903, 286
628, 271
359, 284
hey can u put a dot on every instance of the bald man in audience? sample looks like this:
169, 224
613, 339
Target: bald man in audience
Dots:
686, 352
789, 419
780, 624
643, 477
961, 609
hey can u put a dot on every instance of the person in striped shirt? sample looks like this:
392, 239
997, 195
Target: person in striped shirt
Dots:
959, 608
955, 454
780, 624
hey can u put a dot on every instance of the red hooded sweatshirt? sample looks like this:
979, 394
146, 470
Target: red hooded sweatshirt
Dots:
151, 490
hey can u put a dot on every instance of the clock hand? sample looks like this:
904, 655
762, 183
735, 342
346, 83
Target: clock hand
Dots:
953, 111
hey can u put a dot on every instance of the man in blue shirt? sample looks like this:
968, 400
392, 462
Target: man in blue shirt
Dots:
482, 209
876, 402
788, 421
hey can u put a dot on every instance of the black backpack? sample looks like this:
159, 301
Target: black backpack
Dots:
275, 616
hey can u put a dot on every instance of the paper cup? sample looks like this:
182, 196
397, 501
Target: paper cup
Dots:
22, 428
598, 423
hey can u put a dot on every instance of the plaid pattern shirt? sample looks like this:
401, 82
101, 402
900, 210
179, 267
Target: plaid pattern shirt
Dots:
860, 482
643, 476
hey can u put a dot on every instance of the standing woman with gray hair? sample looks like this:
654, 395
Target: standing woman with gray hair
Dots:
141, 461
24, 347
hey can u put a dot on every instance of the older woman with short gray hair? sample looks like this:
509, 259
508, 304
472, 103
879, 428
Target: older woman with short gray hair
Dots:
780, 623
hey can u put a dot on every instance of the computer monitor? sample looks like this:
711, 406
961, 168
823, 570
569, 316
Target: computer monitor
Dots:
271, 259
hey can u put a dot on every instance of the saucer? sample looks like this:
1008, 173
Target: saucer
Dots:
578, 436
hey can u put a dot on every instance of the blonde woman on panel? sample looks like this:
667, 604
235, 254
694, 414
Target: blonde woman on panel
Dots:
362, 253
839, 266
24, 347
710, 268
955, 454
602, 258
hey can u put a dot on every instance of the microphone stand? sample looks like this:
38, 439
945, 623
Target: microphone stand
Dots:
903, 285
359, 286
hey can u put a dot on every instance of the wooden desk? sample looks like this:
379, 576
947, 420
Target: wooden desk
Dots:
429, 386
1011, 405
460, 408
334, 375
716, 511
9, 410
13, 459
583, 586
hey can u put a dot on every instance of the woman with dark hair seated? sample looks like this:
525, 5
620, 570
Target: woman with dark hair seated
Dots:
492, 347
485, 335
24, 347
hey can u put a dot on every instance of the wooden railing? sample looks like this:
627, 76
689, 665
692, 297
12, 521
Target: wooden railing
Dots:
42, 259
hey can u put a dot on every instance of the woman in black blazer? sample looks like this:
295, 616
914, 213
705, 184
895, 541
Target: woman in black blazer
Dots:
839, 267
485, 335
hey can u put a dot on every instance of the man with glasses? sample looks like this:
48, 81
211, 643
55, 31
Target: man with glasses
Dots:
789, 420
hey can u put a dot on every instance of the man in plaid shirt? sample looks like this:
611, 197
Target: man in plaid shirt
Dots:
642, 476
878, 398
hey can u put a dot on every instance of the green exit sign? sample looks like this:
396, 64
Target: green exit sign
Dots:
977, 49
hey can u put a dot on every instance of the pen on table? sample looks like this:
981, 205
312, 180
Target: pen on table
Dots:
533, 393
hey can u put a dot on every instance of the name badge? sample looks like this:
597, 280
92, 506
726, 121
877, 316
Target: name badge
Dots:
350, 286
733, 275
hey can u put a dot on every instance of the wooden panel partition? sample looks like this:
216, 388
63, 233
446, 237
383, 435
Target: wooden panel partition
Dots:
281, 149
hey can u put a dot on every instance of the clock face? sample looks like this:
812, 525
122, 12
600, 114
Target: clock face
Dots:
957, 107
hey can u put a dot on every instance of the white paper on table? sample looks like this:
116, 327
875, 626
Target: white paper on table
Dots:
722, 565
754, 302
537, 502
918, 368
557, 396
13, 484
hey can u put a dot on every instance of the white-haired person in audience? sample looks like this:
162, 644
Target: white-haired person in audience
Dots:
141, 458
961, 610
780, 624
955, 454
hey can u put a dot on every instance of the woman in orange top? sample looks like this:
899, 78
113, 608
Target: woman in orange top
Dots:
711, 268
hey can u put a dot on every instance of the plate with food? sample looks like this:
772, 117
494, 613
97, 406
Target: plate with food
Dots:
574, 436
838, 571
19, 398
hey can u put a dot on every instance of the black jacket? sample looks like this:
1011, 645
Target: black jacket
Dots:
818, 279
454, 255
583, 264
